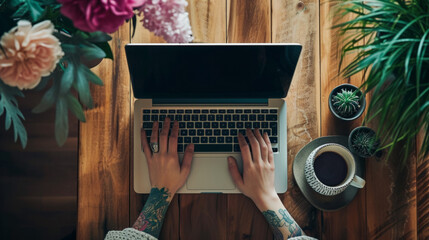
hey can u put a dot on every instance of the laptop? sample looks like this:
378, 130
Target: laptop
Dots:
214, 91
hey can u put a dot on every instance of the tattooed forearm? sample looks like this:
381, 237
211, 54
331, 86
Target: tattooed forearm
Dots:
151, 218
283, 224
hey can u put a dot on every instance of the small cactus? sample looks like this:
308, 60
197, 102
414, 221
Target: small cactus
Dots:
346, 102
365, 143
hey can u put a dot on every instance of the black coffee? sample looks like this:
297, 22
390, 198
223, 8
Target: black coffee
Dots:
330, 168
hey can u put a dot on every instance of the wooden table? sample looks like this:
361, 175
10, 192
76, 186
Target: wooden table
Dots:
393, 205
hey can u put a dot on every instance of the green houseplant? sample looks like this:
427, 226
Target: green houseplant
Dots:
390, 40
346, 102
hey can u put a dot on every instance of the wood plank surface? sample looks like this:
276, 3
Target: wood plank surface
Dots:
204, 216
170, 228
386, 207
38, 184
393, 205
248, 22
104, 144
189, 212
422, 178
349, 222
391, 199
208, 20
303, 97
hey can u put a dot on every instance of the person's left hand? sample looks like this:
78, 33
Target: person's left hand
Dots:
165, 170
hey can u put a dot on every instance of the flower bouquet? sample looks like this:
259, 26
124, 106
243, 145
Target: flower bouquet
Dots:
50, 46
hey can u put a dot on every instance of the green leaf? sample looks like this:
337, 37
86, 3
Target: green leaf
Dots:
106, 49
50, 96
75, 107
47, 101
13, 115
67, 78
91, 52
90, 76
69, 49
15, 3
61, 121
21, 11
97, 37
134, 23
36, 11
82, 87
33, 7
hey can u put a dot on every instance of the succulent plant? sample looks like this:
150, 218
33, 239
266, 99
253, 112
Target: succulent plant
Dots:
346, 102
364, 143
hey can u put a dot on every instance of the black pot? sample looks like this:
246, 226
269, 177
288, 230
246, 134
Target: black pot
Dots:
362, 102
356, 151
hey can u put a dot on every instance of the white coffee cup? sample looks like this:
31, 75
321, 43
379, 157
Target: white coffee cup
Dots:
350, 177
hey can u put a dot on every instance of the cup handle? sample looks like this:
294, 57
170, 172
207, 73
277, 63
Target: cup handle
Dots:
358, 182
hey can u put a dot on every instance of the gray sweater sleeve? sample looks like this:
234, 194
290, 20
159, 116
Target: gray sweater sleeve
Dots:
133, 234
302, 238
128, 234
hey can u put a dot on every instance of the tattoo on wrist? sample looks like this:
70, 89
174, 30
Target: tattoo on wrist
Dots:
285, 221
151, 218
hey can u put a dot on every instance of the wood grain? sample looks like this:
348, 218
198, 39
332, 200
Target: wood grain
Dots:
39, 193
248, 22
170, 228
330, 47
136, 200
304, 94
389, 196
349, 222
38, 184
204, 216
104, 144
208, 25
391, 199
422, 178
208, 20
393, 205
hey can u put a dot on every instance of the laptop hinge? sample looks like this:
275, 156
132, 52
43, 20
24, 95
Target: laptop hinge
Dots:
210, 101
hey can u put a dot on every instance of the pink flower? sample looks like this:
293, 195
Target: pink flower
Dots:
99, 15
168, 19
30, 53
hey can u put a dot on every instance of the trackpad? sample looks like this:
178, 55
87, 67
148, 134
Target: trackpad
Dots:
210, 173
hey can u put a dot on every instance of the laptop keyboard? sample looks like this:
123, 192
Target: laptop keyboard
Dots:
214, 130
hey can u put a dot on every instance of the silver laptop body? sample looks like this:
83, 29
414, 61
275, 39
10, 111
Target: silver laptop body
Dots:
209, 172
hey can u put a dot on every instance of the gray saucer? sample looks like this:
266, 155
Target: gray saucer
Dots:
324, 203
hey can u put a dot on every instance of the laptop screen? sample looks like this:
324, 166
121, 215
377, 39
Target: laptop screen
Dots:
211, 71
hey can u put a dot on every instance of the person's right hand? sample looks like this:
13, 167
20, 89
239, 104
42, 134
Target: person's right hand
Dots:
257, 181
165, 170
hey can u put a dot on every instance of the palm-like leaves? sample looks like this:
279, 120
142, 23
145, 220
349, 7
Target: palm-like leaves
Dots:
390, 40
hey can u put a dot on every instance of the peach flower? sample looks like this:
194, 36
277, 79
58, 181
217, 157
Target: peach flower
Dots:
29, 53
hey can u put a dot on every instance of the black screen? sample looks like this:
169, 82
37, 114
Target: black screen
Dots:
211, 71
